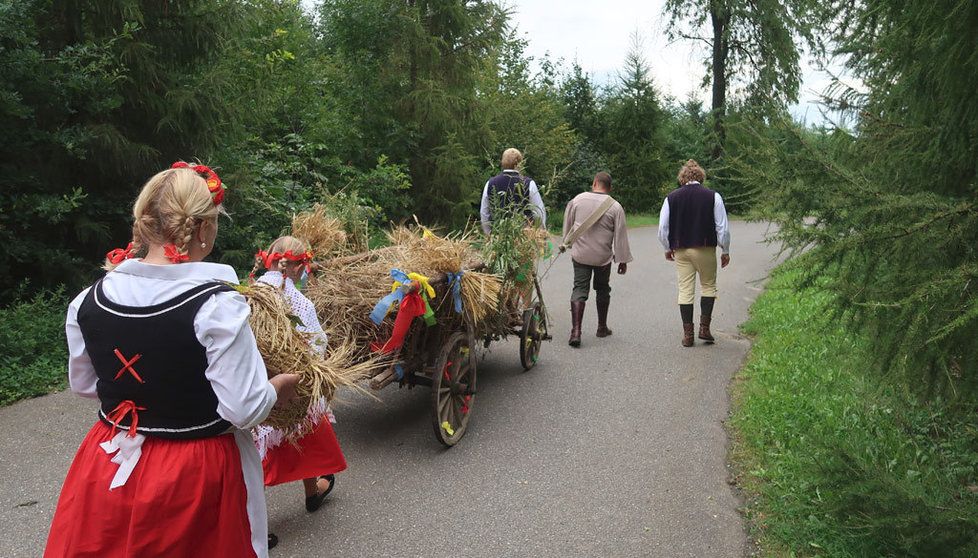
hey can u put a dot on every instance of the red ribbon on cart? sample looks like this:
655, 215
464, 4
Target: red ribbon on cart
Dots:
412, 306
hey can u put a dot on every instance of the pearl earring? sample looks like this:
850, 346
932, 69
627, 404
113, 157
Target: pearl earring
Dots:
203, 245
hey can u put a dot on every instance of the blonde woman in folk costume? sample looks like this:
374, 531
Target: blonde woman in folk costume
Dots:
316, 457
170, 468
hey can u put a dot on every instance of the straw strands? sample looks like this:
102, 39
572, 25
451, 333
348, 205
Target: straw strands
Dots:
325, 234
480, 295
286, 350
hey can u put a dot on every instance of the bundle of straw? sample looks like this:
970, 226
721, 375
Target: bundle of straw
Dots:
286, 350
325, 234
480, 295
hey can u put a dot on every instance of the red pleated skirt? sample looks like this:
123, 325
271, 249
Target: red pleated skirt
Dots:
318, 453
185, 498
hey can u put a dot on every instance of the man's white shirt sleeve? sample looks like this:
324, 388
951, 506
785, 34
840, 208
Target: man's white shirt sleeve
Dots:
537, 200
664, 225
723, 227
484, 215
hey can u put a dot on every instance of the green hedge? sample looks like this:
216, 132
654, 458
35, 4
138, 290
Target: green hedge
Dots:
33, 351
836, 461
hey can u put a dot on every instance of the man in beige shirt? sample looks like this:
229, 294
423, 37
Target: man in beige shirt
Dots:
606, 241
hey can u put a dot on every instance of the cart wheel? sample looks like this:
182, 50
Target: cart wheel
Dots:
453, 389
532, 335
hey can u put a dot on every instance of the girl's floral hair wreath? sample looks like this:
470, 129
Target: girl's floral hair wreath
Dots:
214, 184
269, 259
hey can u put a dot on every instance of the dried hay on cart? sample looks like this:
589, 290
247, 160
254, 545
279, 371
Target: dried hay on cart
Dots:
347, 288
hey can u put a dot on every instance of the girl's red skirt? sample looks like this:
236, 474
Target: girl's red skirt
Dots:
318, 453
185, 498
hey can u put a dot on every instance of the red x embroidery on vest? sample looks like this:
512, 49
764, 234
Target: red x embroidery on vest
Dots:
127, 366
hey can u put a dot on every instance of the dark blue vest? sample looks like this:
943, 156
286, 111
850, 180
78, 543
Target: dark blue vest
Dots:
510, 191
691, 221
150, 356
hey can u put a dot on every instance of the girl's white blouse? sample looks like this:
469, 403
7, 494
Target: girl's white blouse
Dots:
235, 369
301, 306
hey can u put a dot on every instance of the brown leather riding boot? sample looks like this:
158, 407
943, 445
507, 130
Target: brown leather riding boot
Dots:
603, 329
705, 334
577, 316
687, 335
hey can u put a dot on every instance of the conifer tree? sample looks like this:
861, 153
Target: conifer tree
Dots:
632, 139
414, 66
97, 96
752, 44
890, 205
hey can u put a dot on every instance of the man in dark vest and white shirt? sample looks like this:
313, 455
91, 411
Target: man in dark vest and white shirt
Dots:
692, 223
511, 191
596, 233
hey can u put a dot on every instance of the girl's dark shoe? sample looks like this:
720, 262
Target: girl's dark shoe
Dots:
315, 501
272, 540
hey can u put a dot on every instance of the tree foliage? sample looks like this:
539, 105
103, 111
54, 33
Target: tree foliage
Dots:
400, 106
891, 204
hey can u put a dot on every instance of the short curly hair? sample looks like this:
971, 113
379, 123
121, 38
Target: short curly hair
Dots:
691, 172
511, 158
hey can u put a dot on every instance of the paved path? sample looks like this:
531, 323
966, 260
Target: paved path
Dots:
616, 449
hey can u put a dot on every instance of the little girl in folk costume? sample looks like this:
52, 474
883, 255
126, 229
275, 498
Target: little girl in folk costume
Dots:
316, 457
169, 469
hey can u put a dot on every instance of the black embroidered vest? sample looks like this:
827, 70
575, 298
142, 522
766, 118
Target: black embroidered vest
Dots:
150, 364
691, 221
510, 191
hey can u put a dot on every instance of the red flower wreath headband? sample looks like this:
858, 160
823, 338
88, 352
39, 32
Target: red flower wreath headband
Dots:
269, 258
214, 184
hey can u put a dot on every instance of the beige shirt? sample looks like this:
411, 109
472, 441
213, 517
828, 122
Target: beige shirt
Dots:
604, 242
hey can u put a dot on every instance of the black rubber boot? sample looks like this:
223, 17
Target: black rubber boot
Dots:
603, 329
577, 316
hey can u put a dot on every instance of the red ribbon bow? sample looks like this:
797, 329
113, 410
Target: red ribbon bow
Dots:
214, 184
174, 255
120, 255
411, 307
121, 410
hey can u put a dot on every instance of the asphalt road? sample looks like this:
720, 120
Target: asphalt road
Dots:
616, 449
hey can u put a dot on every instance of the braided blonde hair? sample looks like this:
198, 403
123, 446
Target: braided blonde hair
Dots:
170, 208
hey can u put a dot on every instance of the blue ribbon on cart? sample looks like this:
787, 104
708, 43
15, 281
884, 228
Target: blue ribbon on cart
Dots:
399, 371
384, 305
455, 281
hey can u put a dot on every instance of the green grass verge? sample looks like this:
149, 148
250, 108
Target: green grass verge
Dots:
642, 219
836, 461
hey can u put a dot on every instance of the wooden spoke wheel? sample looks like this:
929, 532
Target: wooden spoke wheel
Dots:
532, 335
453, 388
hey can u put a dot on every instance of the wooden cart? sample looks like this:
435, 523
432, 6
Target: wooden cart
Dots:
443, 356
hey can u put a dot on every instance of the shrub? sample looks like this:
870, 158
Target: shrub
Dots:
33, 350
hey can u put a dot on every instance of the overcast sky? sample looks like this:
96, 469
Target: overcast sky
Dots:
598, 34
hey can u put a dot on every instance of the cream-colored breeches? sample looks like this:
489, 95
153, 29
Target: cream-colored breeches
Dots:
689, 263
